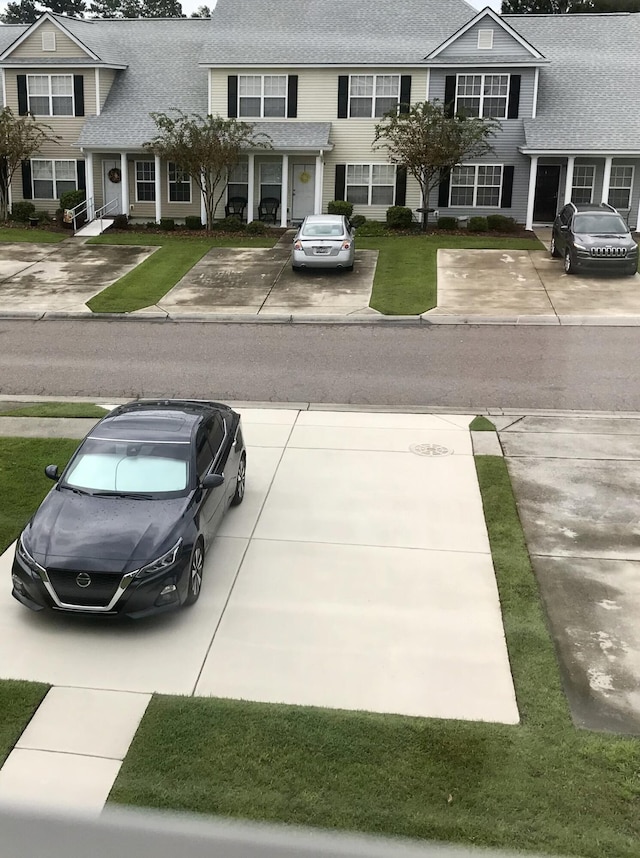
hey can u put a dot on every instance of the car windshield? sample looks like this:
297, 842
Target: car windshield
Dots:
323, 230
129, 467
602, 224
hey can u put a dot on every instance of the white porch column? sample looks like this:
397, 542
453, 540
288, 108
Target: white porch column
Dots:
90, 191
203, 208
533, 174
284, 197
568, 182
158, 186
606, 178
97, 81
317, 201
251, 172
124, 183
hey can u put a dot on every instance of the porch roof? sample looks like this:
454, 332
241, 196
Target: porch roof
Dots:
290, 135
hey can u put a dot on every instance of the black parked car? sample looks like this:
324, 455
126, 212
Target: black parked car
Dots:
593, 236
125, 529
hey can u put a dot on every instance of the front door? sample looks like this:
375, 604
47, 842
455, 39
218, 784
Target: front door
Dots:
112, 184
304, 189
545, 204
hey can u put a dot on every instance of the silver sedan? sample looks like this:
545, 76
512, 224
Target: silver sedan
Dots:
324, 241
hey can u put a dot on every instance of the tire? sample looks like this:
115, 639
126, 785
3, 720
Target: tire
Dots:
238, 496
348, 268
194, 584
569, 266
295, 268
554, 250
631, 271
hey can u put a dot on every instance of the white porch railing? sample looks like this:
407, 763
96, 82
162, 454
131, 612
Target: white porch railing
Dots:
86, 207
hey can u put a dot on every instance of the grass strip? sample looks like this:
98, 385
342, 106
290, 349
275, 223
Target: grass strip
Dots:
18, 701
541, 785
481, 424
56, 409
32, 236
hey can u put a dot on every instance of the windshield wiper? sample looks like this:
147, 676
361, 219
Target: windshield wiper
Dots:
74, 489
140, 495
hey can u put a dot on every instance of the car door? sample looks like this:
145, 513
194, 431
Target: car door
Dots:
217, 435
211, 498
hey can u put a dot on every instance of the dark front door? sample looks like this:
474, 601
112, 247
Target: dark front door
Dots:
545, 204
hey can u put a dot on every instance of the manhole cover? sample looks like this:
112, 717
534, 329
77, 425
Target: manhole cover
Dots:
430, 450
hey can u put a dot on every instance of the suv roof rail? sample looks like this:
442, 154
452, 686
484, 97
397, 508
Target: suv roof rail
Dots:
608, 206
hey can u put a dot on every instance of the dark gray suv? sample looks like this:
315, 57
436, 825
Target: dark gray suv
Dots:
593, 236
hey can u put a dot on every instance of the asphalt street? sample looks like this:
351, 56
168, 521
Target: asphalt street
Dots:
462, 366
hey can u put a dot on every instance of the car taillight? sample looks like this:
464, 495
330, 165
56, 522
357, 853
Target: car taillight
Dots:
297, 245
346, 245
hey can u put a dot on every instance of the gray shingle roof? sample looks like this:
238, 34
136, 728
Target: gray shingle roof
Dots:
473, 59
296, 135
96, 37
301, 32
587, 96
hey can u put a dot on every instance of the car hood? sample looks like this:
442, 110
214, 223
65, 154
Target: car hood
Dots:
603, 239
105, 533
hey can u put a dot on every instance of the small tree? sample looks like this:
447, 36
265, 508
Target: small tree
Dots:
206, 148
429, 142
20, 137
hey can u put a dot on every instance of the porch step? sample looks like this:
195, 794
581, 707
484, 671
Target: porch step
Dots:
95, 227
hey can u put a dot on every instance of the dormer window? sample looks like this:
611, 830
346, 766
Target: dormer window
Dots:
485, 40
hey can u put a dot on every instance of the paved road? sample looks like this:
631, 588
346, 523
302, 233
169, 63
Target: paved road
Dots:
464, 367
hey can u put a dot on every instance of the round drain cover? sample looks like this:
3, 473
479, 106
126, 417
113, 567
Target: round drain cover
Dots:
430, 450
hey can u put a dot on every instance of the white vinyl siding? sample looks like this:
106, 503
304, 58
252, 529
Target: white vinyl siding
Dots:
32, 45
50, 95
583, 182
179, 184
484, 95
370, 184
372, 95
262, 95
476, 186
51, 179
620, 186
145, 181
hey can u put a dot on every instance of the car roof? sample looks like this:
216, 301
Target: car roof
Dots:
157, 420
324, 218
596, 208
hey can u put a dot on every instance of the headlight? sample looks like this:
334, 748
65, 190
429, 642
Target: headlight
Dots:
26, 558
161, 563
579, 246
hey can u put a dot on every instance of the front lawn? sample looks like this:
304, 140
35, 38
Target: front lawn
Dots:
18, 702
34, 236
405, 279
55, 409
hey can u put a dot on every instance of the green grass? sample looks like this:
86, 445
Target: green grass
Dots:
541, 785
405, 278
18, 701
35, 236
22, 481
56, 409
153, 278
481, 424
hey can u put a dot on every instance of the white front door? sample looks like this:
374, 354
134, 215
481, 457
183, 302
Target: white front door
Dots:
112, 186
304, 189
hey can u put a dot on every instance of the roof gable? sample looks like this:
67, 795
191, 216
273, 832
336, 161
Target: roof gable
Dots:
28, 43
484, 36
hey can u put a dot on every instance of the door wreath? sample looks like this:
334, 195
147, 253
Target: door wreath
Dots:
114, 175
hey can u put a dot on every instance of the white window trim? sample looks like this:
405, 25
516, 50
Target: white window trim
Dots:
488, 34
371, 165
262, 96
474, 204
169, 183
633, 178
482, 76
144, 181
582, 187
373, 96
52, 161
51, 114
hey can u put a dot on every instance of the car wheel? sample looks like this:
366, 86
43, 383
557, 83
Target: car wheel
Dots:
569, 267
348, 267
554, 250
238, 497
194, 585
632, 270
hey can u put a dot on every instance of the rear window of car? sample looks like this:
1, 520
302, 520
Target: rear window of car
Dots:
603, 224
318, 230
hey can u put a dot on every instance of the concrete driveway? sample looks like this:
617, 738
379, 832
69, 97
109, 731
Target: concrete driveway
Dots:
356, 574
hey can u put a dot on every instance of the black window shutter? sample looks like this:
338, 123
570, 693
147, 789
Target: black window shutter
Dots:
341, 178
401, 186
82, 176
450, 94
78, 93
443, 191
23, 106
26, 180
514, 97
232, 96
292, 96
343, 97
405, 93
507, 188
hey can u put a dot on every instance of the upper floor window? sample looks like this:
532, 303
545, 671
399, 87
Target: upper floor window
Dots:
583, 180
372, 95
145, 181
179, 184
262, 95
483, 95
50, 94
51, 179
476, 185
620, 186
370, 184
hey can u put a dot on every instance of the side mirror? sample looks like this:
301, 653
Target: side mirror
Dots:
212, 481
52, 472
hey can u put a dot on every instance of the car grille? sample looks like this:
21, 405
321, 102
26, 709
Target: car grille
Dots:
97, 595
610, 252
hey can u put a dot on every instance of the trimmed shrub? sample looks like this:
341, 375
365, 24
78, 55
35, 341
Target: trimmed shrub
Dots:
477, 224
231, 224
399, 217
372, 227
168, 224
121, 221
71, 199
501, 223
447, 223
43, 216
193, 222
340, 207
257, 227
357, 221
22, 211
151, 224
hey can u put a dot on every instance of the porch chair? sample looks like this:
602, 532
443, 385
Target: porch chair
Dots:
235, 207
268, 209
